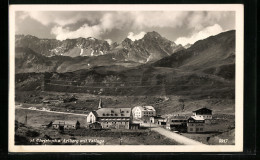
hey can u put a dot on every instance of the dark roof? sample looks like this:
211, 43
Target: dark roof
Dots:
179, 118
203, 110
95, 113
113, 112
157, 117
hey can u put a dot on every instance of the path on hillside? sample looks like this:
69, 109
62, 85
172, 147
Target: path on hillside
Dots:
176, 137
76, 114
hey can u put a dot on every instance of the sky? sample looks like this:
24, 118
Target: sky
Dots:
182, 27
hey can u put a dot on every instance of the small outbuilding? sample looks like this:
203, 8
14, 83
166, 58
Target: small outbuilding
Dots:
177, 123
65, 124
95, 125
158, 120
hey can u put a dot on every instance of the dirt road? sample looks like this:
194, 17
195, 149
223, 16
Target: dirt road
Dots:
76, 114
176, 137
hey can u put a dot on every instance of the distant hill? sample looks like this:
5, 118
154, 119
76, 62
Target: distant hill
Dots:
213, 55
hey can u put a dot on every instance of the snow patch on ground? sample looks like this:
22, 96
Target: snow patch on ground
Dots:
148, 59
81, 51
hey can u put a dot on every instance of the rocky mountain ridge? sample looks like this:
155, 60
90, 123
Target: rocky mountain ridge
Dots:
151, 47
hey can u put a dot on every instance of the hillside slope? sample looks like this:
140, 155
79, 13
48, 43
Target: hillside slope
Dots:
205, 70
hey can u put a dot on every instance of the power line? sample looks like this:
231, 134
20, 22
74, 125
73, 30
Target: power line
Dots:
150, 86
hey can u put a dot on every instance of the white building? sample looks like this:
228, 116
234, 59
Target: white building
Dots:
143, 111
92, 116
204, 113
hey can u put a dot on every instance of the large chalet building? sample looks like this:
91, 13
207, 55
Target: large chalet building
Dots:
204, 113
195, 124
143, 111
192, 124
111, 118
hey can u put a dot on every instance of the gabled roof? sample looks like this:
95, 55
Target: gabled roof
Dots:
69, 122
203, 110
95, 113
146, 108
113, 112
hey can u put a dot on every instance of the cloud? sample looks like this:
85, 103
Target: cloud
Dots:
98, 23
204, 33
199, 20
84, 31
158, 19
108, 22
134, 37
60, 17
109, 41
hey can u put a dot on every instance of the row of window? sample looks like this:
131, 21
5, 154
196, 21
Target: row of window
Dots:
64, 126
197, 129
204, 116
197, 124
179, 120
113, 122
148, 112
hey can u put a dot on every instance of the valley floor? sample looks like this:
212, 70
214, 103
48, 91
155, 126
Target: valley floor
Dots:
41, 114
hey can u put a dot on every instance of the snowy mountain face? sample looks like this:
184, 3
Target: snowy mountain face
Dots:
151, 47
187, 46
69, 47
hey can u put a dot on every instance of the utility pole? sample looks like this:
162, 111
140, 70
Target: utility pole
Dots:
164, 90
25, 122
150, 125
43, 83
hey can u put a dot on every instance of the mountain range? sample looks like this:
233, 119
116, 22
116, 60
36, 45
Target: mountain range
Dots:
151, 47
149, 66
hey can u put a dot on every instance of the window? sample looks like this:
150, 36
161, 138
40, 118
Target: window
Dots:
201, 129
191, 129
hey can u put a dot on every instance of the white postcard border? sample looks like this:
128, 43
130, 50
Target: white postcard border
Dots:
239, 72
